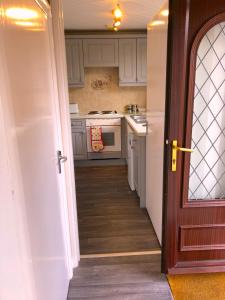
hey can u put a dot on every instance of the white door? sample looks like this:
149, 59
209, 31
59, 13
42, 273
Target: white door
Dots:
30, 84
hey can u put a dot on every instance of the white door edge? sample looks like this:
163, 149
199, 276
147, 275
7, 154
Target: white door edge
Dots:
69, 205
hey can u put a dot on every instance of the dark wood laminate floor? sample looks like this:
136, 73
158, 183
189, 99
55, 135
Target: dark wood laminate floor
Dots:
109, 216
120, 278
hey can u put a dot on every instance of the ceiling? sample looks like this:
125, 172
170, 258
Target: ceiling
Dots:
97, 14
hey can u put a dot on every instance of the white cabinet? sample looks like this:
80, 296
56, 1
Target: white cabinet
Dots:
127, 61
137, 164
79, 140
75, 63
133, 62
100, 52
142, 60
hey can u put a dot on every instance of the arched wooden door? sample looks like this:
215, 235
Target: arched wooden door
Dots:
194, 182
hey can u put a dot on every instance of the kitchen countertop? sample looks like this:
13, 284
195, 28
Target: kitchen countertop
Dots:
139, 129
87, 116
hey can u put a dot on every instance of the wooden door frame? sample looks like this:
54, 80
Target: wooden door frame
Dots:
169, 231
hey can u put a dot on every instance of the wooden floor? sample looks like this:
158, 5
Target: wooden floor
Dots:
111, 221
120, 278
109, 216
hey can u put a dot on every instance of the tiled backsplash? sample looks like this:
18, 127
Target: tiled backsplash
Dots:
102, 92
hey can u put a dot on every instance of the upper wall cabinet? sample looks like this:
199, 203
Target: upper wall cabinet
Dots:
142, 60
127, 61
128, 52
100, 52
75, 62
133, 62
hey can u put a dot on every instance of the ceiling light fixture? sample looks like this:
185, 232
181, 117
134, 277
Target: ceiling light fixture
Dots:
117, 12
117, 23
117, 15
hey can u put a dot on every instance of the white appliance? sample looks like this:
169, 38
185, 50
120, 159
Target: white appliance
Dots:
130, 157
111, 135
74, 109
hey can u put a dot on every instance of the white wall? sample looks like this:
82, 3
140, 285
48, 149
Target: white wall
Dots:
157, 52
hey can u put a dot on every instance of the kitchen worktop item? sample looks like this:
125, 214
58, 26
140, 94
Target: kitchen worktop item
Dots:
74, 109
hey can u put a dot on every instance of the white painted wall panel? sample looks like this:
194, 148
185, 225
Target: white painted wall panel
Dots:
157, 53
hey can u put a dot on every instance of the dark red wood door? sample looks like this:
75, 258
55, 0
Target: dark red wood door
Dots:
194, 182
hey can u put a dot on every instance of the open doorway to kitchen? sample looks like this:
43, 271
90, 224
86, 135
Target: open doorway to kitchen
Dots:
113, 112
117, 97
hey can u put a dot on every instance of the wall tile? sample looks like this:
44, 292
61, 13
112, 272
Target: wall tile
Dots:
102, 92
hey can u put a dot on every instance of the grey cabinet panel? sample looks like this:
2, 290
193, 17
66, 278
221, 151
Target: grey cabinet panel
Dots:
100, 52
127, 61
135, 164
139, 163
142, 170
79, 140
75, 63
124, 138
79, 145
142, 60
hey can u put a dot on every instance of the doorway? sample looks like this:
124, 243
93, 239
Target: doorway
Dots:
114, 210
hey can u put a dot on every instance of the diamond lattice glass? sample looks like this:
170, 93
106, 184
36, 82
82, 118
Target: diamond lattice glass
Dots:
207, 168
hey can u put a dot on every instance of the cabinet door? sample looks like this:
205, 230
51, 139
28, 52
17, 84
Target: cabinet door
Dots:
142, 60
100, 52
79, 145
135, 164
127, 61
75, 64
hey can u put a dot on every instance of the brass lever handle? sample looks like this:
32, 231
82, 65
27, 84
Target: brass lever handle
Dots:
175, 148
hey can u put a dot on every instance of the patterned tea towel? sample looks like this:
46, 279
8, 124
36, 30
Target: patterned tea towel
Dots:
96, 138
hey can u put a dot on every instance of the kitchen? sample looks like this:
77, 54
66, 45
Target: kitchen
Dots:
119, 138
107, 77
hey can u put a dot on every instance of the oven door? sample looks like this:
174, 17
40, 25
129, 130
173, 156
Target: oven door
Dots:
111, 136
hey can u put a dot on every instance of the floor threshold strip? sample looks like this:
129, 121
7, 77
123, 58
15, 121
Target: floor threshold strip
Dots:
120, 254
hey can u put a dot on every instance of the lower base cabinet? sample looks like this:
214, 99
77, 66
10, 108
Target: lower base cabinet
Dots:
79, 140
139, 164
79, 145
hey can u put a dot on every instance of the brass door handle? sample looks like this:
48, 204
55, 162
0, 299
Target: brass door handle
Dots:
175, 148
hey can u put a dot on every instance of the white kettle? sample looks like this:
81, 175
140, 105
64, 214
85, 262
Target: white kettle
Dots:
74, 109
